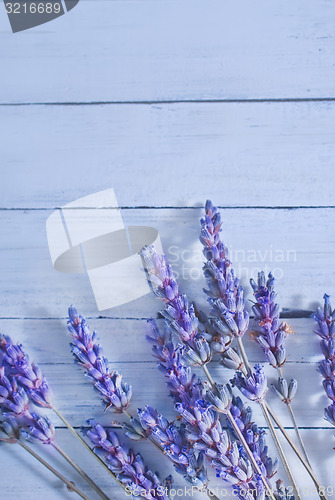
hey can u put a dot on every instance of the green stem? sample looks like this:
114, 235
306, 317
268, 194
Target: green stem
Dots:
71, 486
80, 471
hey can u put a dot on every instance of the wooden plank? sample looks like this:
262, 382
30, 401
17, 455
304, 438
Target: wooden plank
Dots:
130, 51
41, 483
302, 240
124, 339
269, 154
76, 399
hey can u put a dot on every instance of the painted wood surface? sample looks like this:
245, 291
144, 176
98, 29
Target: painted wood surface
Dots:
173, 50
240, 154
173, 102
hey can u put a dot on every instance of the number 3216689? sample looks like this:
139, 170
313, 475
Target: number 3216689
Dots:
33, 8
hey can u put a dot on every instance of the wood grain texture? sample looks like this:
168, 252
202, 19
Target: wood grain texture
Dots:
238, 154
173, 102
302, 240
175, 50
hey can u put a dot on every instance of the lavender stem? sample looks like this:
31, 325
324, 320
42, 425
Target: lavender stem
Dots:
296, 428
83, 442
80, 471
240, 437
295, 449
70, 485
280, 450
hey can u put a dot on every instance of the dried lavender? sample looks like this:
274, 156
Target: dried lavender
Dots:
225, 293
17, 363
271, 333
115, 393
178, 312
10, 433
254, 387
188, 392
325, 319
128, 466
15, 400
180, 317
175, 446
89, 354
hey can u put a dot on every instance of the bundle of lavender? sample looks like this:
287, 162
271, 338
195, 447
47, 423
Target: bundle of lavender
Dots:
213, 425
201, 337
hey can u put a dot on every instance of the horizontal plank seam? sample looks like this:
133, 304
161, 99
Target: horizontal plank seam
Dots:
173, 101
171, 207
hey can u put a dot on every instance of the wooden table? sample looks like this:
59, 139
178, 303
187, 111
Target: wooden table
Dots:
169, 103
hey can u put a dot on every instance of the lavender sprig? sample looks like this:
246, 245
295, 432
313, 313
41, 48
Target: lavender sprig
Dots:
253, 386
271, 333
128, 466
178, 312
175, 446
325, 319
188, 392
225, 293
89, 353
10, 433
34, 387
16, 362
116, 394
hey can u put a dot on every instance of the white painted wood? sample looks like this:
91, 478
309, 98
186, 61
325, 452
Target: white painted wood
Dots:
126, 51
30, 287
269, 154
41, 483
124, 339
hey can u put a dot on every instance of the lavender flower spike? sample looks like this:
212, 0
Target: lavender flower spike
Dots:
17, 363
271, 333
13, 399
175, 445
225, 293
89, 353
178, 313
253, 386
325, 319
130, 468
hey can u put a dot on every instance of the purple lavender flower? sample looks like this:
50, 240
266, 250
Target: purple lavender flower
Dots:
253, 386
325, 319
175, 445
130, 468
178, 312
89, 353
37, 429
189, 393
254, 437
225, 293
13, 399
272, 332
204, 431
16, 363
183, 384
